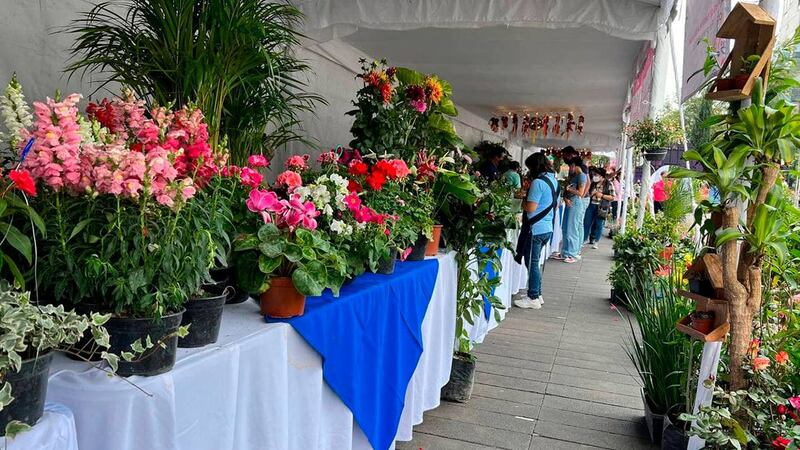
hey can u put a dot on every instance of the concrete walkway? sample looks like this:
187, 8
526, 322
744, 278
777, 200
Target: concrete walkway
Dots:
554, 378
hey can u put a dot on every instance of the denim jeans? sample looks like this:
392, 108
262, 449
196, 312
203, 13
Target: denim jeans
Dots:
574, 229
538, 241
592, 224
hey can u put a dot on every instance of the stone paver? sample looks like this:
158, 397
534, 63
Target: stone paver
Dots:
554, 378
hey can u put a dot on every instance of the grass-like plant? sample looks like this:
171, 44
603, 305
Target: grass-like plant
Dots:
233, 58
657, 349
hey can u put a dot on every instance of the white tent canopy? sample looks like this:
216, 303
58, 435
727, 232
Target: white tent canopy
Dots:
508, 55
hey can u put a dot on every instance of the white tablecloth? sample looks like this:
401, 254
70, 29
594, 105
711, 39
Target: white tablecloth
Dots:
54, 431
259, 387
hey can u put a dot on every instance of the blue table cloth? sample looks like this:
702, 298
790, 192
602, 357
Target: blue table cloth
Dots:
370, 340
491, 274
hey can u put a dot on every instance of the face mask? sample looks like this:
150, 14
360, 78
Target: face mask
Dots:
596, 179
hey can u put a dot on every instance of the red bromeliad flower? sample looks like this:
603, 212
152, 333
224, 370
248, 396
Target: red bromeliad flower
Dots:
23, 181
781, 442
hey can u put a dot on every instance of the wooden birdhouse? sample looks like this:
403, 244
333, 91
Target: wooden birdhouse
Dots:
753, 32
710, 320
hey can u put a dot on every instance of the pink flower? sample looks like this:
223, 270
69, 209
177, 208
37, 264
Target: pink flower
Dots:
400, 167
260, 200
419, 105
353, 201
250, 177
297, 162
327, 158
257, 161
795, 402
405, 253
760, 363
289, 179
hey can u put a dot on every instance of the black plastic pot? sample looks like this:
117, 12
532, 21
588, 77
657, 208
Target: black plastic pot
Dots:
673, 437
462, 379
418, 250
386, 267
221, 274
125, 331
655, 422
655, 155
618, 297
29, 388
204, 316
237, 295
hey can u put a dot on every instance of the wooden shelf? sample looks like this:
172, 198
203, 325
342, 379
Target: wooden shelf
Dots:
732, 95
718, 334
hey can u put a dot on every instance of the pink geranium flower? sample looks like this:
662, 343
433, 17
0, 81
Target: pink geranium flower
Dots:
289, 179
257, 161
297, 162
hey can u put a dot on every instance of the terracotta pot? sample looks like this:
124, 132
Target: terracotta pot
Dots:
433, 245
703, 324
740, 80
724, 84
282, 300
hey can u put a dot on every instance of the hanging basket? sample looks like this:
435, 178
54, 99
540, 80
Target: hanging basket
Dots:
655, 155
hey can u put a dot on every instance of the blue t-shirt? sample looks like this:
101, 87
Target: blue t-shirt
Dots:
578, 180
541, 194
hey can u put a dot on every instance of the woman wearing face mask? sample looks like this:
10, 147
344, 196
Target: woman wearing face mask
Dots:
578, 188
601, 194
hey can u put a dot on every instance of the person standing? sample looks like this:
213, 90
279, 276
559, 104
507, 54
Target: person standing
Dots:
601, 194
577, 190
511, 175
539, 210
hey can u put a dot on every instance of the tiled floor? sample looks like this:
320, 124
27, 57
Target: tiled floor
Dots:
554, 378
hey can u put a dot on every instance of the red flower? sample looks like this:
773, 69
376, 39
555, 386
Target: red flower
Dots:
353, 186
386, 169
386, 92
24, 182
760, 363
782, 358
376, 180
357, 168
780, 442
782, 409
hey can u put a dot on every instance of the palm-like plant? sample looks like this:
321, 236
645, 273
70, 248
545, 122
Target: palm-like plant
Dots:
234, 58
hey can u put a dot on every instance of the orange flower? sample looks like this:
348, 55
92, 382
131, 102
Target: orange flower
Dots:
782, 358
434, 89
755, 344
760, 363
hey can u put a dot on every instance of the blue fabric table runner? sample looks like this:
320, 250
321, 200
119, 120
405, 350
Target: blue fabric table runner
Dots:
370, 340
491, 274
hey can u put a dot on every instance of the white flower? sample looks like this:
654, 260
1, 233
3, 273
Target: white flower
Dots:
339, 227
361, 225
339, 180
15, 113
339, 201
303, 191
327, 210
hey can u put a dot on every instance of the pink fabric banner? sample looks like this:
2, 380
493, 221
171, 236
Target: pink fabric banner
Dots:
642, 84
703, 19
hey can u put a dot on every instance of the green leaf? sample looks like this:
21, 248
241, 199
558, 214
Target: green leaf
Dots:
448, 107
16, 239
309, 279
16, 427
268, 265
408, 76
272, 249
79, 227
293, 252
268, 231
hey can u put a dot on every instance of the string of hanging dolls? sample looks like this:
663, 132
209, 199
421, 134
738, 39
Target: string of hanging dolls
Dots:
535, 125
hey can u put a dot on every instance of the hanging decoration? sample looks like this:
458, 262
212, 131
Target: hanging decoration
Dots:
537, 124
494, 124
557, 153
514, 124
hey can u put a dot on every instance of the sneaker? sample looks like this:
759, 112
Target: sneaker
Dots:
570, 260
537, 303
557, 256
594, 246
541, 299
524, 303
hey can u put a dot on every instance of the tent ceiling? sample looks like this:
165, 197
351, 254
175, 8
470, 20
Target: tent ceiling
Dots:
498, 68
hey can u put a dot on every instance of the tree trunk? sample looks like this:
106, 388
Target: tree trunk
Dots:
769, 175
737, 296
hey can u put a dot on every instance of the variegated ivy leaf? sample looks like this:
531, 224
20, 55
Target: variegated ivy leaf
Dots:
127, 356
183, 331
111, 359
136, 347
5, 395
16, 427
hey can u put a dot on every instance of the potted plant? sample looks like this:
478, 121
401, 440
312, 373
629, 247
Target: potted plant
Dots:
658, 351
652, 137
31, 333
703, 321
123, 238
288, 258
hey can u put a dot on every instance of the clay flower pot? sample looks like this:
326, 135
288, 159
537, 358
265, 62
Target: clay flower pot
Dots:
282, 300
740, 80
703, 321
433, 245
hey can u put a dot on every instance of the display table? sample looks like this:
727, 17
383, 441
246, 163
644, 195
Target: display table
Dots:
513, 278
260, 386
54, 431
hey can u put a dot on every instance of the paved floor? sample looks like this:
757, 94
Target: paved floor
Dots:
554, 378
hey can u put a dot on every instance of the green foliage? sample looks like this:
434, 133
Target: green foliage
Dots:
654, 134
29, 331
657, 349
234, 58
306, 256
139, 258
